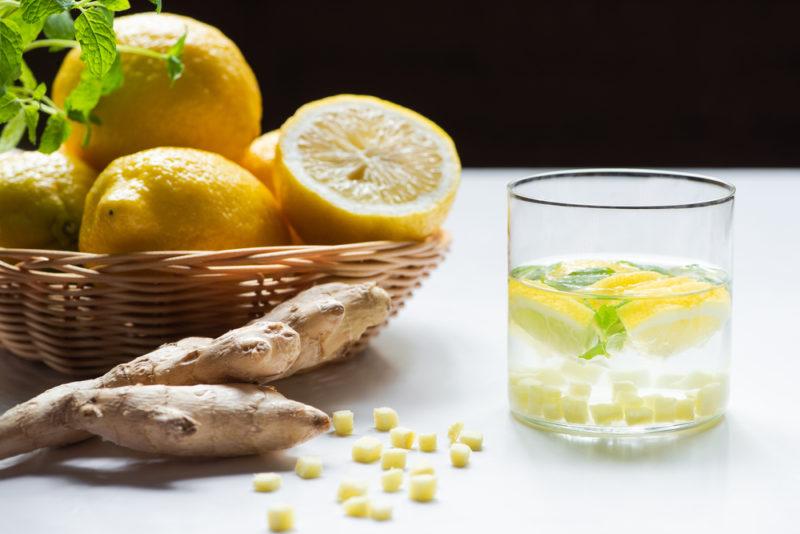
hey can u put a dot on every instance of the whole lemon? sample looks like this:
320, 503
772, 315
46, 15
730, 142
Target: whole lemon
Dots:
215, 105
41, 199
178, 199
260, 156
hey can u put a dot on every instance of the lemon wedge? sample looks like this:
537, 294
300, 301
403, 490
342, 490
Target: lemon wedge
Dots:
559, 322
670, 315
357, 168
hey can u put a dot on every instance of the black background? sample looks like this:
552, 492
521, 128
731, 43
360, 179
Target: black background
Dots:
562, 83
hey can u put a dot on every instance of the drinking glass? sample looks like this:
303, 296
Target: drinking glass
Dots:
619, 293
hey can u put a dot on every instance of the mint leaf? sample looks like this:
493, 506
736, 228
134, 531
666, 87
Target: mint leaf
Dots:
55, 133
12, 132
60, 26
36, 10
26, 77
27, 30
174, 63
116, 5
580, 279
85, 96
156, 3
529, 272
114, 77
32, 121
611, 332
94, 31
10, 52
598, 350
9, 107
40, 91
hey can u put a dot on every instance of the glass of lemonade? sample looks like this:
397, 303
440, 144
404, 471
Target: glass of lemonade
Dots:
619, 300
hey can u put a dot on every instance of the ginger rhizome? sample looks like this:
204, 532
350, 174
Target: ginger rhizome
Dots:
316, 327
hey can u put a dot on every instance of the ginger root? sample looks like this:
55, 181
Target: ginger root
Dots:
315, 327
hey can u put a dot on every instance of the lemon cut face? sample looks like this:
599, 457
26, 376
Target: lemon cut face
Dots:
357, 168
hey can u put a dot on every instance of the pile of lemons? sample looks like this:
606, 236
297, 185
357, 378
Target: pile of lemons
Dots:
182, 167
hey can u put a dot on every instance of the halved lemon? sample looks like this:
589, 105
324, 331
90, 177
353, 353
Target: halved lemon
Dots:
357, 168
669, 315
559, 322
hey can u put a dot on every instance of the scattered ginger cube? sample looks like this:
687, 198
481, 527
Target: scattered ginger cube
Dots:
357, 506
427, 442
422, 468
351, 488
605, 414
402, 437
638, 415
266, 481
393, 457
343, 422
472, 439
391, 480
454, 430
280, 518
308, 467
380, 511
367, 450
459, 454
385, 418
422, 488
576, 409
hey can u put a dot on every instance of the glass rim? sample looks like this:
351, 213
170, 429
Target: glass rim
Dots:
730, 190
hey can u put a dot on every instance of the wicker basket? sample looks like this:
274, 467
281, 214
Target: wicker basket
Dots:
84, 313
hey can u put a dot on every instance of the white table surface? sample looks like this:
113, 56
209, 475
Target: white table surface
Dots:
443, 359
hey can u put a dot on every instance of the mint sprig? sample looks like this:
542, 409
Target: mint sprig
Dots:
23, 100
611, 332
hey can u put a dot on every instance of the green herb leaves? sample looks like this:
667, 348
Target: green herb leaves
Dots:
10, 52
55, 133
174, 63
579, 279
36, 10
611, 332
94, 30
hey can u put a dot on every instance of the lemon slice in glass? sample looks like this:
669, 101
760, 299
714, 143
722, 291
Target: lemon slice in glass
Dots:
556, 321
669, 315
357, 168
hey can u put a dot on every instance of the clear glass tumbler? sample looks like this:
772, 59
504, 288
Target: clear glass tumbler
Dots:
619, 300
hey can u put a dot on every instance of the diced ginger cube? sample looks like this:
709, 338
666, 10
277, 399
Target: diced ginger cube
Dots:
620, 388
526, 396
402, 437
459, 454
605, 414
393, 457
385, 418
669, 380
627, 398
391, 480
454, 430
638, 415
350, 488
308, 467
472, 439
696, 380
343, 422
710, 400
550, 377
550, 394
684, 409
650, 400
584, 371
664, 409
280, 517
422, 468
266, 481
552, 410
427, 442
580, 389
367, 450
380, 511
422, 488
357, 506
637, 377
576, 409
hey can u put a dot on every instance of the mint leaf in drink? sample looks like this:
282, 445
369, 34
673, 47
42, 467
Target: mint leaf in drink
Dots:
598, 350
116, 5
611, 332
579, 279
55, 133
31, 120
529, 272
94, 30
36, 10
13, 131
645, 267
59, 26
174, 63
10, 52
9, 107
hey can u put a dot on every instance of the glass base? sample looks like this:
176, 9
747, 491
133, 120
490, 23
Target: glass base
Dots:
698, 425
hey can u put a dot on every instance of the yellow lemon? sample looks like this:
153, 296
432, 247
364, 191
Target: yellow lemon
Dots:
41, 199
260, 157
178, 199
357, 168
669, 315
557, 320
215, 105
